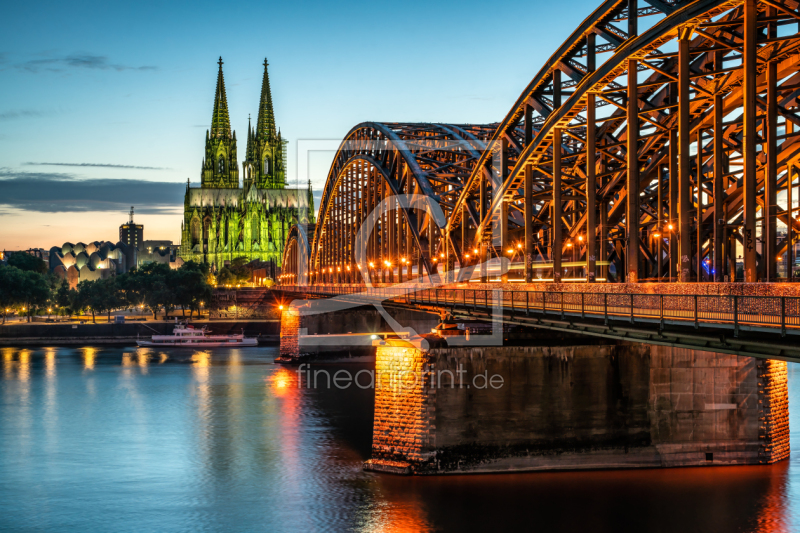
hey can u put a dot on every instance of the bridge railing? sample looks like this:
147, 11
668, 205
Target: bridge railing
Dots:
732, 311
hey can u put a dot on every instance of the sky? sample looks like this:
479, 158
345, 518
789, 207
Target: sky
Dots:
104, 105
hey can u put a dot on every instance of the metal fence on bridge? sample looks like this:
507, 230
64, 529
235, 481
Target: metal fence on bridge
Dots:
729, 311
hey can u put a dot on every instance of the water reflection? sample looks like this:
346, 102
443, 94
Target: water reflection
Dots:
89, 354
226, 441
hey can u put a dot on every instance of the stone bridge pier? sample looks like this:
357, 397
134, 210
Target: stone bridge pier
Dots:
517, 408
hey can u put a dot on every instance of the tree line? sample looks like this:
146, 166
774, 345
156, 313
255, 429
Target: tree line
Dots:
26, 286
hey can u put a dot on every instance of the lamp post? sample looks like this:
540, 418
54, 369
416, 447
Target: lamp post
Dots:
657, 236
571, 247
670, 229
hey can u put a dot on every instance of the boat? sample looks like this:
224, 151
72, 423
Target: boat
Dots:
184, 336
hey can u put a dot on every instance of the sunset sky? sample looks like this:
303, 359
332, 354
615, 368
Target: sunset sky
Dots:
105, 105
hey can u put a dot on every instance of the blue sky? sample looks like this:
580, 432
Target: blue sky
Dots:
131, 85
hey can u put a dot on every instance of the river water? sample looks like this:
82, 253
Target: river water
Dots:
137, 440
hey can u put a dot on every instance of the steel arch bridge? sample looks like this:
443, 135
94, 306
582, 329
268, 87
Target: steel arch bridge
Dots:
296, 253
660, 141
395, 178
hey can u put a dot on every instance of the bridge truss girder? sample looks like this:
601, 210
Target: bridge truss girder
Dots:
725, 71
387, 164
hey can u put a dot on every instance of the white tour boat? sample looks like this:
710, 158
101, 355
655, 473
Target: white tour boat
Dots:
188, 337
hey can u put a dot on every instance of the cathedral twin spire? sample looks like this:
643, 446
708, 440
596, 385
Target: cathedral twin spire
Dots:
220, 120
264, 152
265, 125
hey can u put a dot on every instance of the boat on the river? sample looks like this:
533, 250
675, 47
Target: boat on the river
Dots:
184, 336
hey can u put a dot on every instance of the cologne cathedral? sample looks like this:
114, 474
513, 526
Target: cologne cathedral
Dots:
224, 219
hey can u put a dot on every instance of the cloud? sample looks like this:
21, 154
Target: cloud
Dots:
76, 61
54, 192
102, 165
21, 113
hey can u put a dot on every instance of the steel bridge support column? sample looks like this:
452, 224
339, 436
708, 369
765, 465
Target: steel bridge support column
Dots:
482, 249
750, 140
503, 218
410, 250
769, 227
591, 191
431, 255
673, 204
684, 185
604, 243
699, 227
632, 214
528, 207
556, 250
659, 221
789, 218
528, 223
719, 188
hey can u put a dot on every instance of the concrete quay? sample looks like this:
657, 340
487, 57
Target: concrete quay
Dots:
73, 333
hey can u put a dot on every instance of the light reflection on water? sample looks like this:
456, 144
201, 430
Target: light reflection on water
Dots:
127, 439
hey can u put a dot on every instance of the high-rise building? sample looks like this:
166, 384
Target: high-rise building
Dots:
130, 233
222, 220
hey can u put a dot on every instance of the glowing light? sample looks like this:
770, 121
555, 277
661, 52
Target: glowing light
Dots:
475, 251
656, 235
670, 227
435, 260
509, 251
441, 255
348, 268
387, 263
467, 256
371, 264
280, 307
580, 238
569, 245
519, 245
373, 337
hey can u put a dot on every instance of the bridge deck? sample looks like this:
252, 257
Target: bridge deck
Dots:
760, 326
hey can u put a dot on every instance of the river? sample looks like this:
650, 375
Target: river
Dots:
137, 440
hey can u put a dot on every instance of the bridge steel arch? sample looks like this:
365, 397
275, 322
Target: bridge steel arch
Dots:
389, 163
721, 75
294, 265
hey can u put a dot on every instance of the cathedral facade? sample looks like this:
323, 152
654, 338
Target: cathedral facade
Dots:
226, 218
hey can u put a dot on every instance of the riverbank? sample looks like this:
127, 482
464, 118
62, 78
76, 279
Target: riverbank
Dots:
74, 333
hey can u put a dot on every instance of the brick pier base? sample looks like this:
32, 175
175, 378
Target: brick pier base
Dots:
574, 407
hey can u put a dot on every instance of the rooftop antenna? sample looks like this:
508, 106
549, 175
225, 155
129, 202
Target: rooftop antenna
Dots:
131, 215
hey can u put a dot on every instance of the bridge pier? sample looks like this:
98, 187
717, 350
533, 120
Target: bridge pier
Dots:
573, 407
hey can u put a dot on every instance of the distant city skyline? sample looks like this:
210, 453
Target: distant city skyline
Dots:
106, 105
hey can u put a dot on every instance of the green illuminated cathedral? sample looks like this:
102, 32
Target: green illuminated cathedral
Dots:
226, 218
